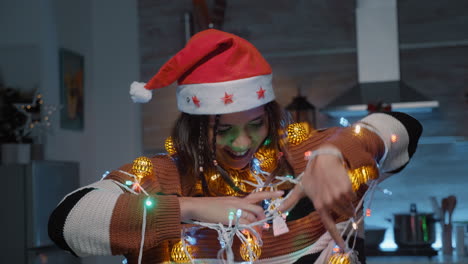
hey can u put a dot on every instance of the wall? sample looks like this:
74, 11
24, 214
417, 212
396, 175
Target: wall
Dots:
105, 33
311, 45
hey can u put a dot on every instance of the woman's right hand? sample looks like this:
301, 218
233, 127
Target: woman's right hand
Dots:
217, 209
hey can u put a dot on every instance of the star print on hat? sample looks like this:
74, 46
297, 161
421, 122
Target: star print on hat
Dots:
216, 72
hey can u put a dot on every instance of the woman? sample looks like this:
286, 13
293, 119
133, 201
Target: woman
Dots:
228, 150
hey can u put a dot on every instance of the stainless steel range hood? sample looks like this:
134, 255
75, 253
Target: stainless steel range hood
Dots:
378, 66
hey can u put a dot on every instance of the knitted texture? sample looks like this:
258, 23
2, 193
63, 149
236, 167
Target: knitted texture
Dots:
108, 220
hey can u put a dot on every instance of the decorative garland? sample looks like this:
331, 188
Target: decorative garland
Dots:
251, 241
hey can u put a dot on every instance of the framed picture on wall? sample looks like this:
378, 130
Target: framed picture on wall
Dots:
71, 90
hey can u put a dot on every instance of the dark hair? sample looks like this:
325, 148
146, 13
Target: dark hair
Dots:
194, 151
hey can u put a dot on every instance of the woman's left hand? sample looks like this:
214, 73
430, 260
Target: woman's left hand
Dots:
326, 183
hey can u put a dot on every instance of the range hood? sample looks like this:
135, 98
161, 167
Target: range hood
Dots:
378, 66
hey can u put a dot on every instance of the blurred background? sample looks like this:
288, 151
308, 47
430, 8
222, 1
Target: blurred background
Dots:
66, 67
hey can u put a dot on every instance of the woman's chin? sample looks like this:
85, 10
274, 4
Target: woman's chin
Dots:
237, 163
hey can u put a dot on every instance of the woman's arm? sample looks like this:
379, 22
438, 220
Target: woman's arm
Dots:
103, 219
384, 140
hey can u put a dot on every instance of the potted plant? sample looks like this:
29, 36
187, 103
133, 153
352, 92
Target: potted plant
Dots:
15, 130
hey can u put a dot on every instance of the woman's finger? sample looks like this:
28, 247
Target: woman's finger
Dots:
291, 201
247, 217
330, 225
254, 209
259, 196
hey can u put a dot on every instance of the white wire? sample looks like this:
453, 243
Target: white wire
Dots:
226, 234
143, 231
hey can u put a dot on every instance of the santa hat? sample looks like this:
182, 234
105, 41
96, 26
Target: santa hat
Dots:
216, 72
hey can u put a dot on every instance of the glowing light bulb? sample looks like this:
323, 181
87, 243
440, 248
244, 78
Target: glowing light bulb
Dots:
344, 122
357, 129
149, 202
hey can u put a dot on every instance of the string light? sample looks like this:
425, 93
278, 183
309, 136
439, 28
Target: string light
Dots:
357, 129
336, 249
149, 202
387, 192
105, 174
38, 116
344, 122
250, 248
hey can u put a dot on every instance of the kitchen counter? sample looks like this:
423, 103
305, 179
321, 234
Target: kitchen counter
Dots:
417, 260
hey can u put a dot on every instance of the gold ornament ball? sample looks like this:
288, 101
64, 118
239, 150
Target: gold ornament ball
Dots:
362, 175
339, 258
250, 246
267, 158
142, 167
169, 145
297, 133
178, 254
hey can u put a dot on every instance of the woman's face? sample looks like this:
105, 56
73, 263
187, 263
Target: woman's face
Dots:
239, 136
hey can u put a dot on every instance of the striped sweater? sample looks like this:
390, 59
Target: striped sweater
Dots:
105, 219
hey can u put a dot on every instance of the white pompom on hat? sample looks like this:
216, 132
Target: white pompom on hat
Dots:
216, 72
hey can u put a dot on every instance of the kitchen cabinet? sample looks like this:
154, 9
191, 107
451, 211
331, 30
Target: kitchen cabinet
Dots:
30, 193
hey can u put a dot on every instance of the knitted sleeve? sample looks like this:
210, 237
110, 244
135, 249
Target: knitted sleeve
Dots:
384, 139
105, 219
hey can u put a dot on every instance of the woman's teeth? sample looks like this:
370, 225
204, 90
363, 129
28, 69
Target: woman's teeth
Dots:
239, 154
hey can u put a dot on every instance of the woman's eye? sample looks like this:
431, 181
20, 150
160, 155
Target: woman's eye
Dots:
223, 129
257, 123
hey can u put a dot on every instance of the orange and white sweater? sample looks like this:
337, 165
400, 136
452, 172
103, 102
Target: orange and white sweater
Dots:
105, 219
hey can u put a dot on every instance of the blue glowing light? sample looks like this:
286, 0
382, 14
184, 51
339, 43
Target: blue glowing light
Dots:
344, 122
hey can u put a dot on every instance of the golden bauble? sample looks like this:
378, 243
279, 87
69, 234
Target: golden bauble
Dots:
339, 258
142, 167
267, 158
169, 145
362, 175
250, 246
297, 133
178, 253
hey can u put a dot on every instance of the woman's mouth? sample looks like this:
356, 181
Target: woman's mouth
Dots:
237, 155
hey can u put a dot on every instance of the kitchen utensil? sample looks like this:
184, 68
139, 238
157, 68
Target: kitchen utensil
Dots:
436, 207
444, 205
451, 203
414, 229
448, 206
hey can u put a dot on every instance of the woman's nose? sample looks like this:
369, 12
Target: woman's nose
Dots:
242, 141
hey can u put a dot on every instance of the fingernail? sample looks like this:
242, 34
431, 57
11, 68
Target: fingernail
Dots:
280, 192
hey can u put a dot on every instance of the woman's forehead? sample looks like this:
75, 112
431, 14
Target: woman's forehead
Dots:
241, 117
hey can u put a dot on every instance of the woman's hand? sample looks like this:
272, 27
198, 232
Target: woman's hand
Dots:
217, 209
326, 183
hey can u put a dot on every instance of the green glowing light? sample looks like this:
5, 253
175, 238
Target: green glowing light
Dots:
149, 202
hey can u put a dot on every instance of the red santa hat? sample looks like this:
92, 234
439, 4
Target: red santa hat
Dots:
216, 72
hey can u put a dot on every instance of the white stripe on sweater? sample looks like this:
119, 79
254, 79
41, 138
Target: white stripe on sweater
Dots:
86, 228
397, 152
